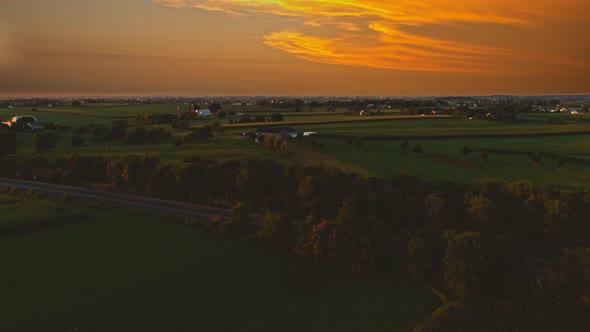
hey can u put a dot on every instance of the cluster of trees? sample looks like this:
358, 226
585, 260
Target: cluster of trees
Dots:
477, 241
198, 135
8, 143
155, 118
275, 117
44, 140
121, 132
275, 142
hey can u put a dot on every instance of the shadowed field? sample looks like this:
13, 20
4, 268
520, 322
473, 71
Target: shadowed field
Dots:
125, 272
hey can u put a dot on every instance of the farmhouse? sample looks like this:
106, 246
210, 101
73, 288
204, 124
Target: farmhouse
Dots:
26, 122
205, 113
284, 132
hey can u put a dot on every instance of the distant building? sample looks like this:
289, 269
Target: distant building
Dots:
32, 123
205, 113
285, 132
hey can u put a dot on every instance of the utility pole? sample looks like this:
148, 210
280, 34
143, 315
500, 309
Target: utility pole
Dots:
109, 173
147, 166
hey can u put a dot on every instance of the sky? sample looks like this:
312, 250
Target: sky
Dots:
294, 47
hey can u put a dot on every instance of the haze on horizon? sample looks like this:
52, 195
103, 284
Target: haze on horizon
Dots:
294, 47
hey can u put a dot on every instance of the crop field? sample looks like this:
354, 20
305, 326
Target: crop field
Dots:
436, 126
121, 271
510, 146
442, 160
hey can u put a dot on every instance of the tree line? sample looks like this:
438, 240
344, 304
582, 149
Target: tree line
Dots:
478, 242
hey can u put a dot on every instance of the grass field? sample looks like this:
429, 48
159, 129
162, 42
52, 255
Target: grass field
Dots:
125, 272
380, 154
443, 161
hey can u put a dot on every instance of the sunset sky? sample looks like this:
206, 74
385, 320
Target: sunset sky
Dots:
294, 47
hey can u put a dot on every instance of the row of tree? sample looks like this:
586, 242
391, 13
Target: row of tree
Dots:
481, 242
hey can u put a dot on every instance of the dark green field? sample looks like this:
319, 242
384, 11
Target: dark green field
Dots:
117, 271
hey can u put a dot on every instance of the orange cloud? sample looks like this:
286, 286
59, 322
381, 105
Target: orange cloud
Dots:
376, 34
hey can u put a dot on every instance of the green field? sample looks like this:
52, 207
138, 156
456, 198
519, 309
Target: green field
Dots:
118, 271
380, 154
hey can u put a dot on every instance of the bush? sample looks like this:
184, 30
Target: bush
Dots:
218, 128
220, 114
179, 123
285, 148
240, 215
118, 132
466, 150
484, 156
156, 118
404, 145
44, 140
77, 141
276, 117
418, 149
245, 119
99, 132
7, 142
260, 118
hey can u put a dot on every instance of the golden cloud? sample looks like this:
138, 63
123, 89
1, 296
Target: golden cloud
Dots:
376, 34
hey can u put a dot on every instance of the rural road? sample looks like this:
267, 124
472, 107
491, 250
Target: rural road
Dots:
155, 206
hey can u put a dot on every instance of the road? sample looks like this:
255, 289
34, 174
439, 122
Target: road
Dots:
154, 206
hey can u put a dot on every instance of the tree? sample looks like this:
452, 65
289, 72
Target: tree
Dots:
418, 149
560, 162
239, 216
215, 107
44, 140
220, 113
77, 141
7, 142
99, 132
484, 156
557, 219
217, 128
118, 132
277, 228
276, 117
417, 262
180, 123
435, 208
462, 263
466, 151
405, 145
76, 103
285, 148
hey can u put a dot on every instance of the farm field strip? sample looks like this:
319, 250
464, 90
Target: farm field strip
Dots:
346, 120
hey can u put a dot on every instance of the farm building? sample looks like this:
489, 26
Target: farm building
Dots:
284, 132
205, 113
30, 122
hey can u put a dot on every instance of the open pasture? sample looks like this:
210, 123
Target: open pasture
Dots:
509, 159
437, 126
